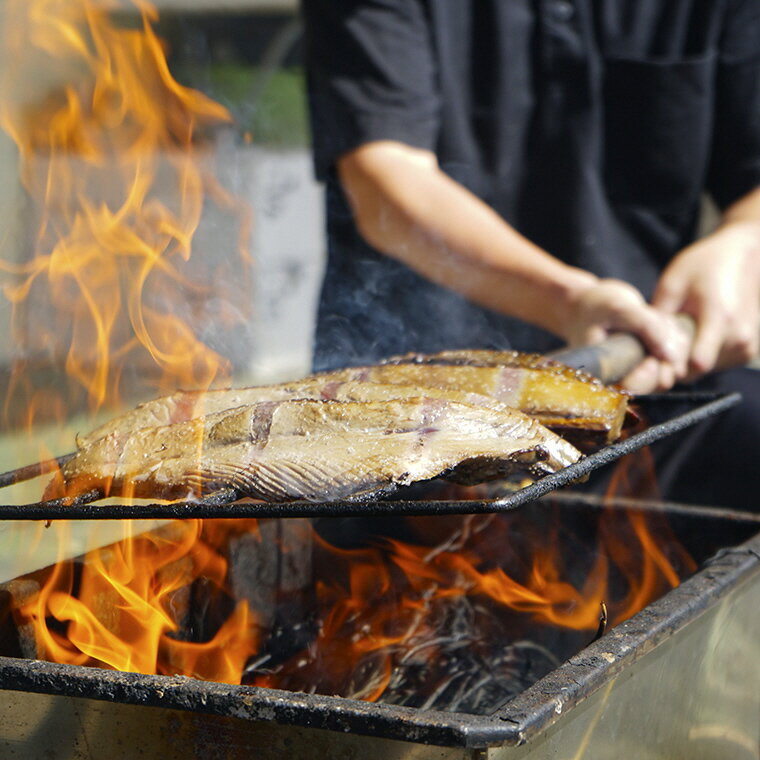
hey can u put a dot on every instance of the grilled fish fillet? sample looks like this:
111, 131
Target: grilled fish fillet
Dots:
186, 405
563, 399
316, 450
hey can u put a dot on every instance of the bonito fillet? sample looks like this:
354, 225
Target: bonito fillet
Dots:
561, 398
567, 400
316, 450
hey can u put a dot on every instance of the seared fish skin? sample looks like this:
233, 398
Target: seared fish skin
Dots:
316, 450
186, 405
563, 399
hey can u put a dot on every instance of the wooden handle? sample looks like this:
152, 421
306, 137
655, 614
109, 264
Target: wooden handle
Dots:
613, 358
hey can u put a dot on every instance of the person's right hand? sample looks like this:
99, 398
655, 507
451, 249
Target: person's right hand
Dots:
610, 306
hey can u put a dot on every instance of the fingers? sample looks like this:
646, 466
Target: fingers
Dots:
660, 333
650, 376
722, 341
669, 295
666, 342
707, 344
615, 306
590, 335
717, 281
723, 336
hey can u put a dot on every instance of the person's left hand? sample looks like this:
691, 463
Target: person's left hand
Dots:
717, 281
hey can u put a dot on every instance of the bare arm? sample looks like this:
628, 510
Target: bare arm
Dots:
407, 208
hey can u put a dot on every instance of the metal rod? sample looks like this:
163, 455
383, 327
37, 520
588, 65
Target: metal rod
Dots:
219, 504
31, 471
598, 501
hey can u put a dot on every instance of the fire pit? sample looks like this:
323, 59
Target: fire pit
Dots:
673, 667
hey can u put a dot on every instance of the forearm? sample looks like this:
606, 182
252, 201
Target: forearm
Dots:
407, 208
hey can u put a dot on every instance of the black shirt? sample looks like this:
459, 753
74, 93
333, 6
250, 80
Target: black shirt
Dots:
592, 126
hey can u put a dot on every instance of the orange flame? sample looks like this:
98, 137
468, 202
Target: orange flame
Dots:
378, 617
112, 156
128, 606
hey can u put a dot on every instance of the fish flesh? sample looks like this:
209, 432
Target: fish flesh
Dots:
316, 450
185, 405
565, 400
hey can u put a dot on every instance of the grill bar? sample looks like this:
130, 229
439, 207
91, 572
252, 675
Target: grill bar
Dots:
224, 504
597, 501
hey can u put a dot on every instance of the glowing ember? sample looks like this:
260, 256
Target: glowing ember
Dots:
112, 156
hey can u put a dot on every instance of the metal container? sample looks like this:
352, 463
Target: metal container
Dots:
681, 679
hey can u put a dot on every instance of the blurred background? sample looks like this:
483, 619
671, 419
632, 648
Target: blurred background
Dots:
246, 56
231, 221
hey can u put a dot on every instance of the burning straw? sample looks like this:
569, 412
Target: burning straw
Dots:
462, 614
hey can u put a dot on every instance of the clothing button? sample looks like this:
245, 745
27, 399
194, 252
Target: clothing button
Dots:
561, 10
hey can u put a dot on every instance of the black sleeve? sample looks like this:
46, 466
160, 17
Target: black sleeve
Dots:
370, 74
735, 168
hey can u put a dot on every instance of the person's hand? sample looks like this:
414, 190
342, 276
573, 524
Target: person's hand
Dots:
611, 306
717, 281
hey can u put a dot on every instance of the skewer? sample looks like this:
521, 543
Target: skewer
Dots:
31, 471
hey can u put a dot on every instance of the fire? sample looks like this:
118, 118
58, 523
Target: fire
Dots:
129, 605
636, 475
113, 158
360, 622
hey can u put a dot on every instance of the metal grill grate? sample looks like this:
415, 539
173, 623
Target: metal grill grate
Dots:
227, 504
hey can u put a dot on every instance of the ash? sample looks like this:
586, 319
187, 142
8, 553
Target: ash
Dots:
460, 671
432, 645
454, 655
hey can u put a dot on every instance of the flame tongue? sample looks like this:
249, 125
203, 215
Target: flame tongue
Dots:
113, 160
459, 625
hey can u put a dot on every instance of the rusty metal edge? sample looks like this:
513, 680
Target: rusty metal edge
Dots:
522, 719
541, 705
